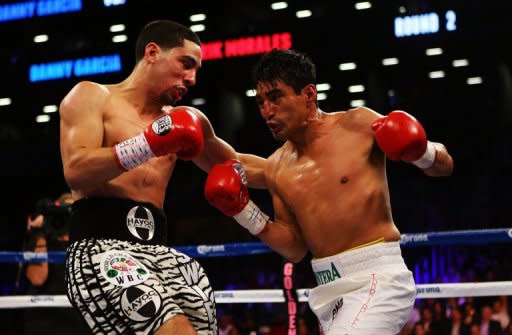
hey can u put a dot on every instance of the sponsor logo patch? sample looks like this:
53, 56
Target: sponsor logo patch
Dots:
121, 269
205, 249
337, 308
328, 275
140, 303
140, 223
162, 125
241, 171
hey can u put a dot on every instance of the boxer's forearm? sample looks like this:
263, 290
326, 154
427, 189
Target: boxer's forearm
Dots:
443, 164
284, 240
88, 168
215, 151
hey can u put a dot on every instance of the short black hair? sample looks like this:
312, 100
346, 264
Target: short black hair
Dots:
167, 34
289, 66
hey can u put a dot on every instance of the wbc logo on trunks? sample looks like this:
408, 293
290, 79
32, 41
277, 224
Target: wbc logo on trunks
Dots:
140, 223
140, 303
122, 269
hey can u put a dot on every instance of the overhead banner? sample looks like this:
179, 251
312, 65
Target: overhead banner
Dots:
79, 67
28, 9
246, 46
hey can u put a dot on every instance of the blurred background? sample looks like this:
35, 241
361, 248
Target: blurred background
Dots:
446, 62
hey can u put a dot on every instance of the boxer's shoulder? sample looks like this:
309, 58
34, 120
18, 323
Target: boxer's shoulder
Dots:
85, 93
358, 119
276, 159
89, 88
170, 109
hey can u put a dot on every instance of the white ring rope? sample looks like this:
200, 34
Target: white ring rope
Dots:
465, 237
496, 288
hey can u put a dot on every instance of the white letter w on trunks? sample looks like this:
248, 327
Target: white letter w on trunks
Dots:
191, 274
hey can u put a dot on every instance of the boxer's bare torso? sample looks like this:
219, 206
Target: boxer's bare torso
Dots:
334, 188
115, 120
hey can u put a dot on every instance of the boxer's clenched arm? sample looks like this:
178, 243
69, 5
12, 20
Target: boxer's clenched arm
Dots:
216, 150
443, 164
399, 139
179, 131
255, 169
402, 137
283, 234
226, 189
86, 164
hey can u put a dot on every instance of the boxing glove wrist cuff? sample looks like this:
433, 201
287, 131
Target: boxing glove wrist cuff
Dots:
133, 152
252, 218
428, 158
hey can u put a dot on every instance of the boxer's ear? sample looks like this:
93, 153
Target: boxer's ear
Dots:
309, 91
151, 52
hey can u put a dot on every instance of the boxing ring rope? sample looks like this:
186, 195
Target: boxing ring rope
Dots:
439, 290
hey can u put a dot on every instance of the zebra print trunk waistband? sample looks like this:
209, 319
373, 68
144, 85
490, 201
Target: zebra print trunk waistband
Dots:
117, 218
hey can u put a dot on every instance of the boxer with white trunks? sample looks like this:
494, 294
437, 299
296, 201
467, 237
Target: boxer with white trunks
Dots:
371, 285
330, 195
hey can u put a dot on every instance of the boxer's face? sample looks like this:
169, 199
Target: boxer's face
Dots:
174, 71
283, 110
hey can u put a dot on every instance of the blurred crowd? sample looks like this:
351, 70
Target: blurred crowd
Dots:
463, 316
452, 316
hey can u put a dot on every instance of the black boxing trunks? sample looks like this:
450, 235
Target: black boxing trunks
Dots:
120, 219
125, 287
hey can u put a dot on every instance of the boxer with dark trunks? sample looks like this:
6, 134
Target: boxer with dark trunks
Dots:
119, 145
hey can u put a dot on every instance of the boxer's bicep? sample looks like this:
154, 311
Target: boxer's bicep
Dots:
283, 215
81, 122
255, 169
85, 162
215, 150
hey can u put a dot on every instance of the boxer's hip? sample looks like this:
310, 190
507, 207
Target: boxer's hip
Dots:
117, 218
361, 259
363, 291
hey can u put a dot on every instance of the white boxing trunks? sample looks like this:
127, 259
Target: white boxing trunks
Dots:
363, 291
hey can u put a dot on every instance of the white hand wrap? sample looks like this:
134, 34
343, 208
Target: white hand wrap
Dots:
252, 218
428, 158
133, 152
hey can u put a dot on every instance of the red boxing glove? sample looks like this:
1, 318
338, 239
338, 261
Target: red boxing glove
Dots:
226, 189
402, 137
178, 132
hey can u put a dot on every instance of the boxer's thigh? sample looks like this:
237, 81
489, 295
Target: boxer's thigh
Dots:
191, 290
118, 287
382, 306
